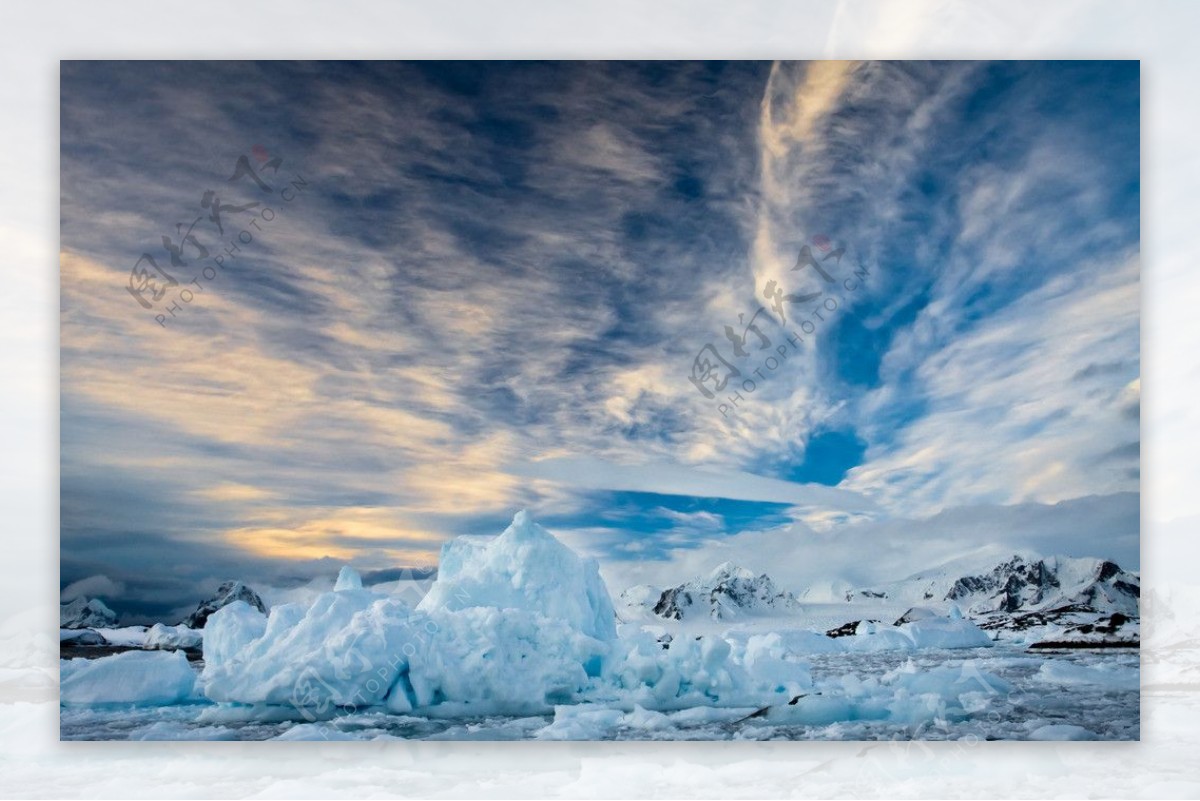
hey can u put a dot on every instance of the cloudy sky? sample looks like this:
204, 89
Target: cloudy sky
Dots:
442, 292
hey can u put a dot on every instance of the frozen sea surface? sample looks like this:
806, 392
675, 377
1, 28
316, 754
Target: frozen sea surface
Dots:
1057, 696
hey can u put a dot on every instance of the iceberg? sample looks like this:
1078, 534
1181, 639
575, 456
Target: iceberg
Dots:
172, 637
524, 568
945, 632
514, 625
144, 678
80, 637
126, 636
518, 625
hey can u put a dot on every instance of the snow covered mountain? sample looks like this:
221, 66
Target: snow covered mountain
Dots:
1023, 585
1020, 583
827, 592
725, 593
929, 586
637, 602
227, 593
84, 613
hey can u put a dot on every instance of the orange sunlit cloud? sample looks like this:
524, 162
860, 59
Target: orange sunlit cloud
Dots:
339, 534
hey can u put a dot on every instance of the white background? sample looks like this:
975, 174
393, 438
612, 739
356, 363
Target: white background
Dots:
33, 37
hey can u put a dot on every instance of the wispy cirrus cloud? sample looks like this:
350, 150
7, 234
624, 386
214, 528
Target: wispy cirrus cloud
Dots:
491, 295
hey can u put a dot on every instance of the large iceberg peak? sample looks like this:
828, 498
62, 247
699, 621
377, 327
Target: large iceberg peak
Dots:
348, 579
523, 529
525, 568
522, 524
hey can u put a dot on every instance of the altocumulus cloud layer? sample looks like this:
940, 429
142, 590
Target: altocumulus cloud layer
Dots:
485, 287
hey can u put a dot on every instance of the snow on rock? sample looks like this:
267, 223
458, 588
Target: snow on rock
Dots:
926, 631
637, 602
227, 593
1049, 601
126, 636
134, 677
852, 628
172, 637
725, 593
1098, 632
1023, 582
80, 637
929, 586
917, 613
524, 568
1027, 584
85, 613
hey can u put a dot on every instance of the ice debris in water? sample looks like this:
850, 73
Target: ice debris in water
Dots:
519, 624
